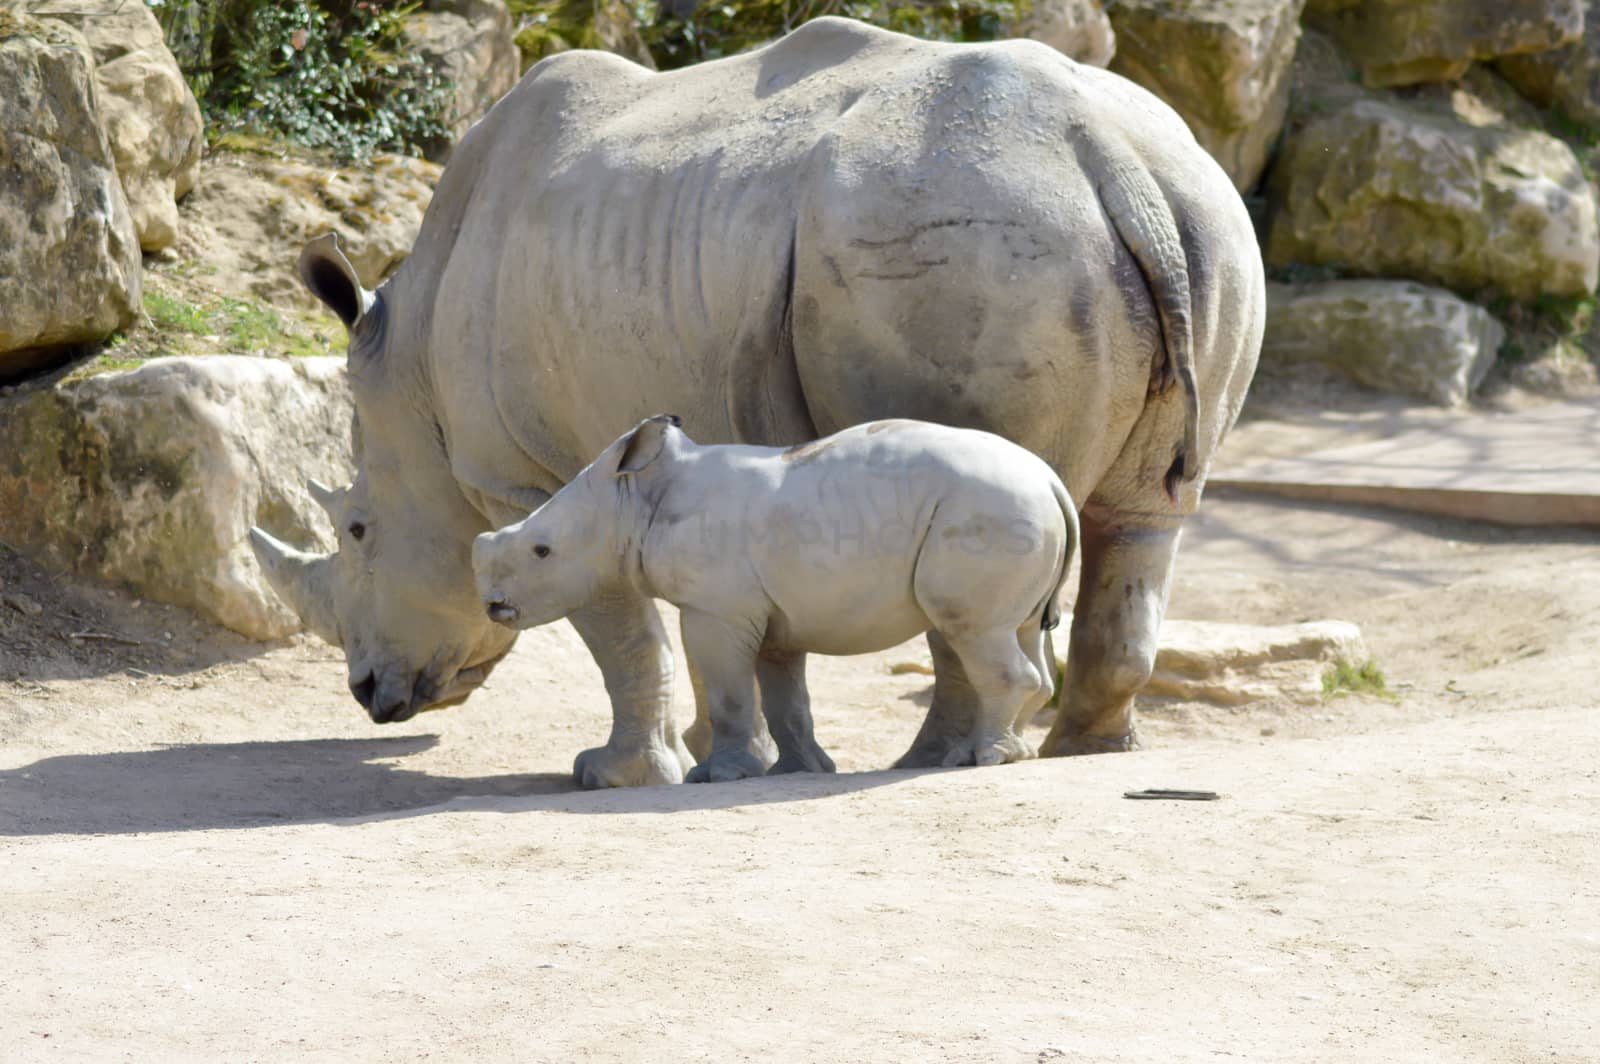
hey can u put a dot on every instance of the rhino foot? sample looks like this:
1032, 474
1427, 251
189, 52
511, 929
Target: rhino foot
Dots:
813, 760
1001, 751
608, 766
697, 741
726, 766
928, 751
1076, 745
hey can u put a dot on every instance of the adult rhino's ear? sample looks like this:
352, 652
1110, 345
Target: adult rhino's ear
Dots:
331, 278
643, 445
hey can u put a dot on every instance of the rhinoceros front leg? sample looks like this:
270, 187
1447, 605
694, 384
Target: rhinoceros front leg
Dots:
625, 635
1116, 621
786, 705
697, 736
724, 660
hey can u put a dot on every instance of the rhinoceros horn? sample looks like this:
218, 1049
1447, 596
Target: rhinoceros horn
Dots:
327, 498
304, 581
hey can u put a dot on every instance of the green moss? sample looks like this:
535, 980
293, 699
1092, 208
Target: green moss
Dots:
1348, 678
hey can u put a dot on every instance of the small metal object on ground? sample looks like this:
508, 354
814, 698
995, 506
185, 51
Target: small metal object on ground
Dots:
1175, 796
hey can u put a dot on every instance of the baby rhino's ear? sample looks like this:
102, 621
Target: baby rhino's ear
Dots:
643, 445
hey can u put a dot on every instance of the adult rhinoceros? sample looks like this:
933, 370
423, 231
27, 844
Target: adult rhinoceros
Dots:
844, 226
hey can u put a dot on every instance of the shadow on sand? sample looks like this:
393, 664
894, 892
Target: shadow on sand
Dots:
251, 785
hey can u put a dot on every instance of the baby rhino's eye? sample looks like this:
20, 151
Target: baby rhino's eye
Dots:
357, 529
541, 551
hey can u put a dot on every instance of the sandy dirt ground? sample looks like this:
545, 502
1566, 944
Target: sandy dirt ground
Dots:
208, 853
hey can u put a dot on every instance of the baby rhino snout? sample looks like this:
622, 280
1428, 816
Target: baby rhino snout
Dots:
500, 611
486, 551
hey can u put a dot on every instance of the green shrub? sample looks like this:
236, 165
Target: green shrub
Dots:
711, 30
332, 75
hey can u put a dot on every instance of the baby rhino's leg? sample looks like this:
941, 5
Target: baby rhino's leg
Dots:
786, 704
724, 657
1006, 683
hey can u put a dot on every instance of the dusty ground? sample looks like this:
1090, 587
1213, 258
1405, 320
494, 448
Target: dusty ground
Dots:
208, 853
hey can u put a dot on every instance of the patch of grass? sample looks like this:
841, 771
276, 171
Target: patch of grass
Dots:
1348, 678
251, 328
183, 317
168, 312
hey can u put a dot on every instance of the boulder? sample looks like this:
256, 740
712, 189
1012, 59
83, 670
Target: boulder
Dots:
69, 256
251, 214
149, 114
1076, 28
152, 477
1402, 42
1394, 336
469, 42
1228, 664
1383, 188
1566, 79
1224, 65
1232, 664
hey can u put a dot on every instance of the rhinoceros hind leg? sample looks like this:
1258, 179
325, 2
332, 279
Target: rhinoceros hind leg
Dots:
1116, 621
1006, 682
625, 636
950, 717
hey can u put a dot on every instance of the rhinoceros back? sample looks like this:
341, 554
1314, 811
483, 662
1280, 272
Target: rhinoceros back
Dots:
843, 226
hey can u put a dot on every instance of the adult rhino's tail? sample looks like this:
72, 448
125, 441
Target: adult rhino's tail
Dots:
1143, 220
1069, 513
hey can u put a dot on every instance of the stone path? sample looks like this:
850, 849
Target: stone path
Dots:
1532, 467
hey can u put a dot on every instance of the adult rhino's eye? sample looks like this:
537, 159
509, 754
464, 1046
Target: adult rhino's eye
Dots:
541, 551
357, 530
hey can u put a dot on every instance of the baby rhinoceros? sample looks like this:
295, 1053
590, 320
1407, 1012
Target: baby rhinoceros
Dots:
847, 545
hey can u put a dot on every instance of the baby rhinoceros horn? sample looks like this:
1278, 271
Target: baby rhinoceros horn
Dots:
304, 581
327, 498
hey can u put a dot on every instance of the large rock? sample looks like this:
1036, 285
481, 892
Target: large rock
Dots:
69, 256
153, 477
1222, 64
1077, 28
251, 214
150, 115
469, 42
1232, 664
1395, 336
1386, 189
1567, 78
1401, 42
1229, 664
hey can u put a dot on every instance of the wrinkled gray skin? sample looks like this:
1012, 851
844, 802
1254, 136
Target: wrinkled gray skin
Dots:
847, 545
845, 226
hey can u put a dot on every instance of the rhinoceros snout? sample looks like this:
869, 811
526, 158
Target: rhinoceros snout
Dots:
388, 709
499, 610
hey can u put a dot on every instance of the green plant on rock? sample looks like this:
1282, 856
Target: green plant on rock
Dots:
1348, 678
